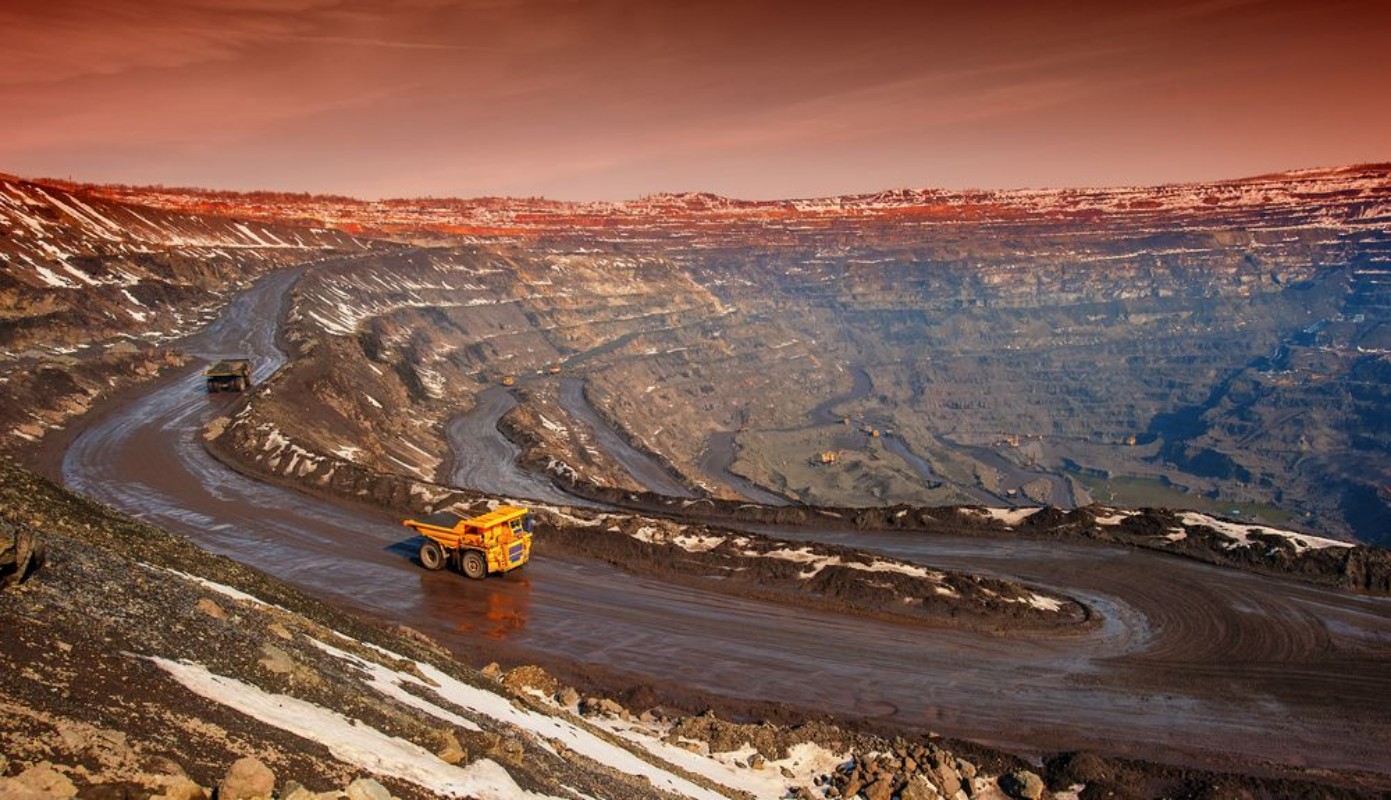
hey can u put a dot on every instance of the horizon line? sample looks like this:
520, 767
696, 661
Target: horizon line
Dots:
157, 187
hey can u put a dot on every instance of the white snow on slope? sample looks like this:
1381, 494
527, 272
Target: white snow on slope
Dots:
1115, 517
818, 561
224, 589
1009, 516
1239, 533
355, 742
348, 739
804, 761
690, 542
545, 727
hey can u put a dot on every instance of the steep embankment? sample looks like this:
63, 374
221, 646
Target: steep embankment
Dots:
90, 289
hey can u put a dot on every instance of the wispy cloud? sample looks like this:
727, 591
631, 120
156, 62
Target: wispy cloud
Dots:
631, 96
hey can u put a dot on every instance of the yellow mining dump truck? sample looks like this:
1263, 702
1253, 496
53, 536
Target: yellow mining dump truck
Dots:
497, 541
229, 375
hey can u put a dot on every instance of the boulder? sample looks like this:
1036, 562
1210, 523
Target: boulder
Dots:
882, 788
1022, 785
367, 789
181, 787
529, 676
450, 751
276, 660
21, 555
918, 788
247, 778
39, 782
948, 779
601, 707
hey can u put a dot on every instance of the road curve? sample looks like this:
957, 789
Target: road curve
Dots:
1192, 664
485, 460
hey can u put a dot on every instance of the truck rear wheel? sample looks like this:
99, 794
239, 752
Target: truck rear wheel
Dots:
474, 565
431, 555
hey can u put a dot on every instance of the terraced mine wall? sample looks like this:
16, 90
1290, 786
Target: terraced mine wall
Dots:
1202, 382
1222, 347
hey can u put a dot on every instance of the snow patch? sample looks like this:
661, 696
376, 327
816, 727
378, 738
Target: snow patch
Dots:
222, 589
546, 728
349, 739
1115, 517
1239, 533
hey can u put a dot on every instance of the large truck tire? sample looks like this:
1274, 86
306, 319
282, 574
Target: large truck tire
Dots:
475, 565
432, 555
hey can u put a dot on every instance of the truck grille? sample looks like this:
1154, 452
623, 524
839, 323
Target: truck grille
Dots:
516, 552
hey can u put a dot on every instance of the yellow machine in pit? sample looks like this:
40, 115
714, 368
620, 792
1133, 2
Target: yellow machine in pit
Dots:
497, 541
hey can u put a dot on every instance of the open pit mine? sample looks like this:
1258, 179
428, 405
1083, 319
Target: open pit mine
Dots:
1085, 490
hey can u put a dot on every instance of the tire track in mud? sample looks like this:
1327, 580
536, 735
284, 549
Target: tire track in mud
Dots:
1192, 663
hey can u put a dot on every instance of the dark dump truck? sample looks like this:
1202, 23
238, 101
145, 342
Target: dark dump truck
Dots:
229, 375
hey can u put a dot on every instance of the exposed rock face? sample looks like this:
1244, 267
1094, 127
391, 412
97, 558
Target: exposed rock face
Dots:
21, 554
78, 268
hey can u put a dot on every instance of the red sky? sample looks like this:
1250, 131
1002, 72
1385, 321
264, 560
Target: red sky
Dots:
615, 99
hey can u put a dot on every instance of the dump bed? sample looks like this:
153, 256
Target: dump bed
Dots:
229, 368
443, 522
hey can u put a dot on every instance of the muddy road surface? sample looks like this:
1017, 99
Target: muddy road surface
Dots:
484, 459
1192, 664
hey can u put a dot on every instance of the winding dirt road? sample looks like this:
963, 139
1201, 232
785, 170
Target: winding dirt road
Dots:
1193, 664
485, 460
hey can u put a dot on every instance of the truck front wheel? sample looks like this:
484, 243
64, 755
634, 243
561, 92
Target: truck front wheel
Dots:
431, 555
475, 566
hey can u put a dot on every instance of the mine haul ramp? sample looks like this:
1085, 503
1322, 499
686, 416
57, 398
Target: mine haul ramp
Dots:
497, 541
229, 375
